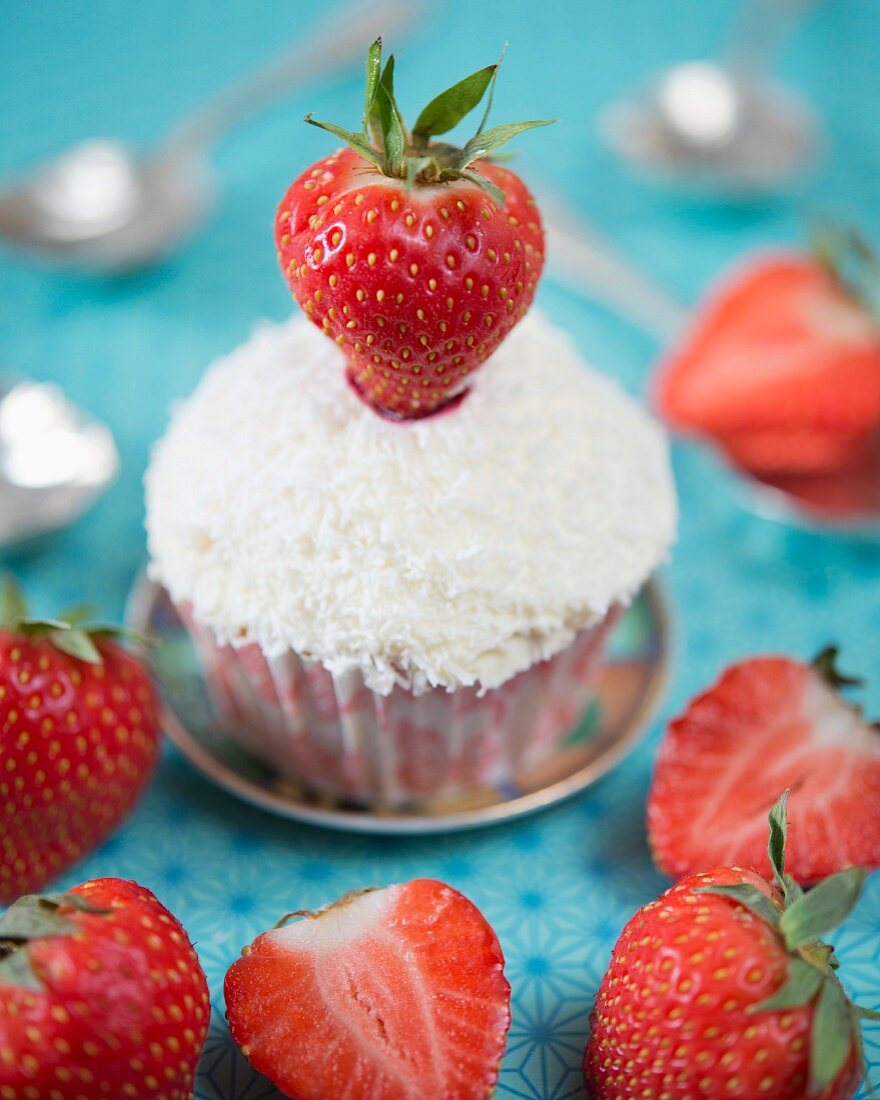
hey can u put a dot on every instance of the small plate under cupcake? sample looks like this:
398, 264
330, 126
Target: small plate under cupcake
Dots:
627, 692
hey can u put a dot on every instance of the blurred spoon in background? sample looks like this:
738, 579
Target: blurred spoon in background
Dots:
843, 502
722, 126
101, 206
55, 461
581, 257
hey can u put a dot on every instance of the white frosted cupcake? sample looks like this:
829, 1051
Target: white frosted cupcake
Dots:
388, 611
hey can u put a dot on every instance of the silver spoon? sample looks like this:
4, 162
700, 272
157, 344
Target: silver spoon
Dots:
102, 206
55, 461
579, 256
722, 126
841, 502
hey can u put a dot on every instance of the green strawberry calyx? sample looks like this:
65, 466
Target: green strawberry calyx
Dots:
852, 262
825, 663
385, 141
35, 917
803, 918
73, 633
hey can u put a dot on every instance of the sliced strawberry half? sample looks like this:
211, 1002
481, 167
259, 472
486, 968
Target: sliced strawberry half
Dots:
782, 346
392, 994
770, 723
769, 451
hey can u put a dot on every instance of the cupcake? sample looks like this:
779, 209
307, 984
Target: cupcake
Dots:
400, 550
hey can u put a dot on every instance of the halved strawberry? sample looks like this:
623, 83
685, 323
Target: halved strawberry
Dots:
782, 346
768, 451
769, 723
393, 994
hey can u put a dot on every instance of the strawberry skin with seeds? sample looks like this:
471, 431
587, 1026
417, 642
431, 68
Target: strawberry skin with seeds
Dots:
724, 987
415, 256
393, 994
79, 742
674, 1015
418, 286
101, 997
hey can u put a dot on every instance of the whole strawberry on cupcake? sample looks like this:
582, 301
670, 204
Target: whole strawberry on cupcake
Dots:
417, 257
401, 528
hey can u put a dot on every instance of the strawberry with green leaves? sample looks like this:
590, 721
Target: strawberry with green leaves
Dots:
101, 997
416, 256
723, 987
79, 741
390, 994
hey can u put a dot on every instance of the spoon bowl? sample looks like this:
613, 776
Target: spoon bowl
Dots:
103, 208
842, 502
100, 206
722, 127
704, 127
55, 461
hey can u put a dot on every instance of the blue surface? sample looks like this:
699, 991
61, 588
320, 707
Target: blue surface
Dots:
558, 887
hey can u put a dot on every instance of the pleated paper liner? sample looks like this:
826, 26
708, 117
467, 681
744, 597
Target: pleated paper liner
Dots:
625, 694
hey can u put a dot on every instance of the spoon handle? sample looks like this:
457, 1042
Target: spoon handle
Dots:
760, 33
579, 256
334, 43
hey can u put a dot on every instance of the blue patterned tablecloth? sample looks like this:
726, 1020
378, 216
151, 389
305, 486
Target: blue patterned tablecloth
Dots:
557, 887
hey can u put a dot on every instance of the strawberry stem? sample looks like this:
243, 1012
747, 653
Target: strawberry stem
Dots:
851, 261
13, 606
35, 917
491, 98
374, 72
825, 663
446, 110
803, 918
72, 634
387, 144
776, 843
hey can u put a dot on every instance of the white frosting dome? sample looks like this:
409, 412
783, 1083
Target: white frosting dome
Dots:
454, 550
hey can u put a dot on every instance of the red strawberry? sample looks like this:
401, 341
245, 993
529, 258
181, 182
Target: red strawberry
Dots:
769, 451
783, 346
416, 262
79, 740
722, 988
769, 723
387, 994
101, 996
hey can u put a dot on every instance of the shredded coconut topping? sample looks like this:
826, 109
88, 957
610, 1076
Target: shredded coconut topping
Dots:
455, 550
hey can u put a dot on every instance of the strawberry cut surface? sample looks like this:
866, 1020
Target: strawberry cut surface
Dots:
393, 994
768, 451
780, 347
770, 723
